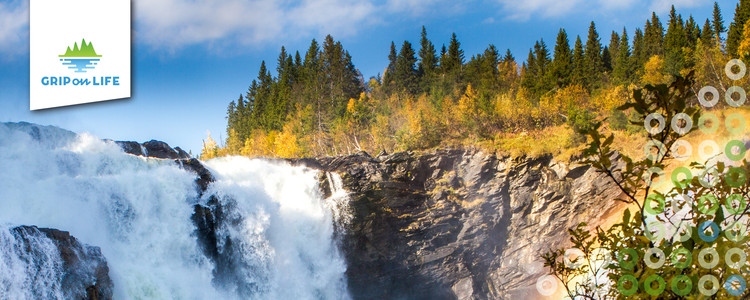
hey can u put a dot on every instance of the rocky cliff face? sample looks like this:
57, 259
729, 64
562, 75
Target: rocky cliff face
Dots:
460, 224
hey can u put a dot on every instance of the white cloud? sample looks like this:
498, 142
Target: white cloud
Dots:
528, 9
176, 23
524, 10
662, 6
14, 27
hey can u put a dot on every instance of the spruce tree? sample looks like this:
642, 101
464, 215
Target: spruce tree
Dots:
579, 63
405, 73
427, 60
454, 58
623, 68
606, 60
674, 41
562, 61
717, 23
529, 75
614, 46
593, 57
638, 55
390, 71
653, 37
508, 56
707, 34
736, 28
543, 62
490, 60
692, 32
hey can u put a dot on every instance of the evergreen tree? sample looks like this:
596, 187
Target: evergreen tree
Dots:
405, 73
491, 59
674, 41
741, 14
529, 72
614, 46
692, 32
593, 57
653, 38
562, 61
606, 60
579, 63
313, 85
454, 59
638, 55
427, 56
297, 65
707, 34
508, 56
389, 76
623, 68
544, 80
717, 23
341, 80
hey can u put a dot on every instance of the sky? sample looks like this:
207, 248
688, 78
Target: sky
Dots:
190, 58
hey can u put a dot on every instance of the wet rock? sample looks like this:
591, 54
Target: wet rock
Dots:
84, 268
459, 224
204, 175
153, 148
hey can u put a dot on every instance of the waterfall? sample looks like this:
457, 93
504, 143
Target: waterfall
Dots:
138, 211
338, 201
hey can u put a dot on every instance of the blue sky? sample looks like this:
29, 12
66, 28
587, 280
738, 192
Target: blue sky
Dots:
191, 57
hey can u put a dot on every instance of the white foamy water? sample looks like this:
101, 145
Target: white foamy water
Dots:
138, 211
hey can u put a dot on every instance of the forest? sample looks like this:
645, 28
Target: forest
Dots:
319, 104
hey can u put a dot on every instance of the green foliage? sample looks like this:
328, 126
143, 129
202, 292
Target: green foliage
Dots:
581, 121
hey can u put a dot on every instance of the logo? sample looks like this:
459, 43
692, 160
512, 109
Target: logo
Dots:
79, 52
80, 59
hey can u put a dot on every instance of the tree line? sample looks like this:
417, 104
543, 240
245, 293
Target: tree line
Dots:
320, 104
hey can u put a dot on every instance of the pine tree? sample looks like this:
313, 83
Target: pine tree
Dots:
341, 80
508, 56
614, 46
638, 55
707, 34
427, 55
736, 28
579, 63
593, 57
692, 32
653, 37
529, 72
674, 41
454, 59
717, 23
562, 61
623, 68
389, 76
606, 60
405, 73
544, 81
491, 59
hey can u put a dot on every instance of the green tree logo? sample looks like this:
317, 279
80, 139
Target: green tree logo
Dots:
80, 59
86, 50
